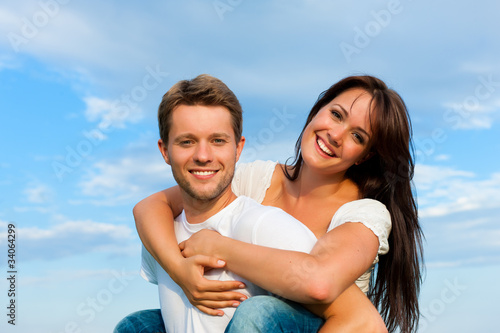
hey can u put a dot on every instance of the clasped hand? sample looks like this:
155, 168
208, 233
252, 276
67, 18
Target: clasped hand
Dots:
209, 296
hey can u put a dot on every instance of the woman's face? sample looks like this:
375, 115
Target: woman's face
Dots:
340, 134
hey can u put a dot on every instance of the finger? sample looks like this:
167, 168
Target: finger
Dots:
221, 286
207, 261
182, 245
225, 296
214, 305
210, 311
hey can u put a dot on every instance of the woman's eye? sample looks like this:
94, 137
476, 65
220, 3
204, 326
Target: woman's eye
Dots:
336, 114
358, 138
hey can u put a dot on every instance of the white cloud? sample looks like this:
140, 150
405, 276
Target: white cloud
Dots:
427, 176
483, 67
7, 62
54, 277
3, 225
71, 238
69, 32
38, 209
125, 180
442, 157
9, 21
110, 113
72, 228
462, 237
443, 190
96, 107
38, 193
478, 260
469, 224
476, 116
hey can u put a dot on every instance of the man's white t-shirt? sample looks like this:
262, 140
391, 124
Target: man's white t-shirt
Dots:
245, 220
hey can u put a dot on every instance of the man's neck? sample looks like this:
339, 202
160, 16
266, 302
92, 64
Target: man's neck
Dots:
198, 211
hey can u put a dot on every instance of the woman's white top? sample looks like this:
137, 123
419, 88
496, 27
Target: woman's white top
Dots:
253, 179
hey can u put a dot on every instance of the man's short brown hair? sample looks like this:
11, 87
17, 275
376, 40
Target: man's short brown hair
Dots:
203, 90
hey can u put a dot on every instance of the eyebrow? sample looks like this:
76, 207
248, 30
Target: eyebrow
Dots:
220, 135
182, 137
194, 137
347, 114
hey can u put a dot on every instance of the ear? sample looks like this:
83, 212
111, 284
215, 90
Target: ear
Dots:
365, 158
164, 151
239, 148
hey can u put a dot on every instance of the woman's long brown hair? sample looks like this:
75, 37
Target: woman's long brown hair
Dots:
386, 177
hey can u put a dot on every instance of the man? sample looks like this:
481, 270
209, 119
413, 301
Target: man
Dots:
200, 127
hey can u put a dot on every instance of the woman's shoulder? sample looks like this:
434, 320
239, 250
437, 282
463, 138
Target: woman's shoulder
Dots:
254, 178
365, 204
367, 211
371, 213
258, 166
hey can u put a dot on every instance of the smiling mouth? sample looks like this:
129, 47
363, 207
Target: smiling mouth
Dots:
203, 173
324, 148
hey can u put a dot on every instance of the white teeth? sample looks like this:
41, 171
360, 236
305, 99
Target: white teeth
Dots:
324, 148
203, 173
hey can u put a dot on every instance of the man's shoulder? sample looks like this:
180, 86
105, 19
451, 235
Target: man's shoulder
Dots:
248, 204
181, 217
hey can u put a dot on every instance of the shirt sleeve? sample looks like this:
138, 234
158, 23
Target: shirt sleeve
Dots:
253, 179
371, 213
148, 266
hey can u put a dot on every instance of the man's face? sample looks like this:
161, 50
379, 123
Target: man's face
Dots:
202, 150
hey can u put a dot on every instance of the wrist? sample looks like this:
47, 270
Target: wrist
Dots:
171, 262
221, 247
175, 266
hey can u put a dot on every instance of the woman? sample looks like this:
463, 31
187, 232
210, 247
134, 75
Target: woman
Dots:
352, 158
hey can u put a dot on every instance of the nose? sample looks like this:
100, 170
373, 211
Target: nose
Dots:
336, 135
203, 153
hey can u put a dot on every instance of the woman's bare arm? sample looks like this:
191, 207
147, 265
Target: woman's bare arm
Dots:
336, 261
352, 311
154, 217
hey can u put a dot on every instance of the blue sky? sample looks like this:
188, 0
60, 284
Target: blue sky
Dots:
80, 82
